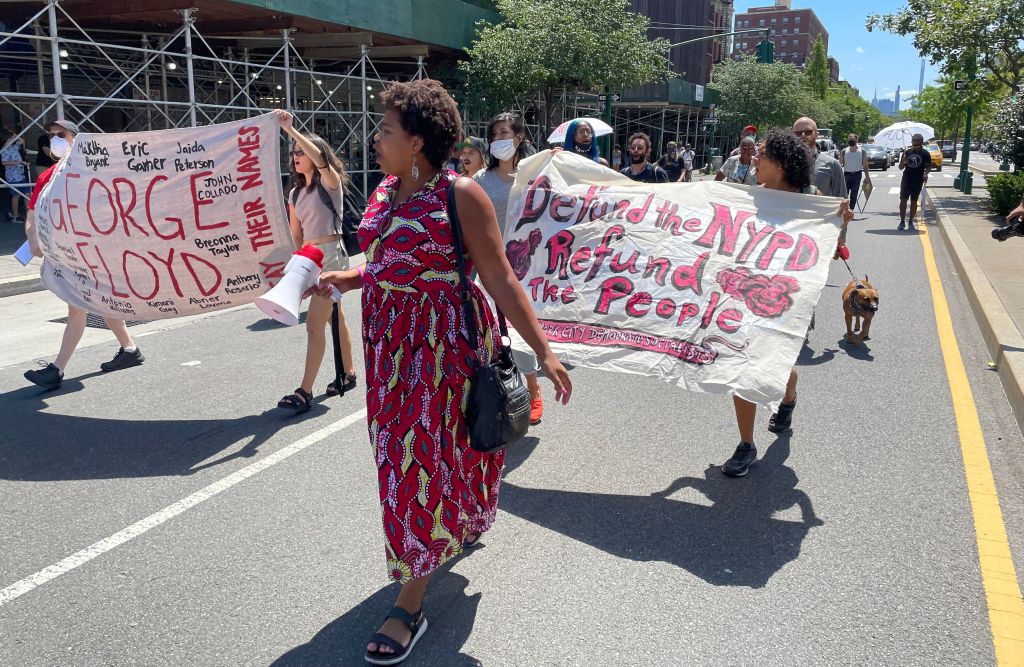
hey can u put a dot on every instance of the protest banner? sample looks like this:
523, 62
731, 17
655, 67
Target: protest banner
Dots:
709, 285
152, 225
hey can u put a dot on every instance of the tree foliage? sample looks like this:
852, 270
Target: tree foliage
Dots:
776, 95
547, 44
954, 32
817, 74
1009, 124
944, 108
766, 95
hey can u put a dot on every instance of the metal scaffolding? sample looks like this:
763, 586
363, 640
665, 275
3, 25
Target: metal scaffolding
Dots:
111, 80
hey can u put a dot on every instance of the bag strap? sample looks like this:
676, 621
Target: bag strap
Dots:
325, 197
460, 260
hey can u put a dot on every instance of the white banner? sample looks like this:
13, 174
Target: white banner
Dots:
151, 225
707, 285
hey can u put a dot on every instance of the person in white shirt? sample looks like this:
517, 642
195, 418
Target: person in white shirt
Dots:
688, 158
855, 166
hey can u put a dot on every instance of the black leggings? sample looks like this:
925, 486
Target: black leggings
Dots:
853, 185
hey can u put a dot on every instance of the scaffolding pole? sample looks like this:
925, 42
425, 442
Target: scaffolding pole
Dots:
189, 19
58, 89
287, 38
365, 115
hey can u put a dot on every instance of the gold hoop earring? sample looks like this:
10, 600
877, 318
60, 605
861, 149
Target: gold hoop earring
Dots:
415, 169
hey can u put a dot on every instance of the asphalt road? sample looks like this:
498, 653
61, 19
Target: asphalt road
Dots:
618, 542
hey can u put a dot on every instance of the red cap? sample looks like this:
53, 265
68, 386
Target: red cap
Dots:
313, 253
750, 128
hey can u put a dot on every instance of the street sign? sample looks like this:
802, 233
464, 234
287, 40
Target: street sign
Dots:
604, 98
960, 85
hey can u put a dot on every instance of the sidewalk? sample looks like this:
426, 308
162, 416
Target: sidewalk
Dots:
992, 278
15, 278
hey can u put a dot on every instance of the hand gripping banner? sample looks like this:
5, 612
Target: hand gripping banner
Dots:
151, 225
710, 286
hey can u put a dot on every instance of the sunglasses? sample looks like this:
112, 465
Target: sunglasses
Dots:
801, 133
298, 153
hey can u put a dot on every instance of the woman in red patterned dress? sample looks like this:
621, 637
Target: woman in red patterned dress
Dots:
436, 493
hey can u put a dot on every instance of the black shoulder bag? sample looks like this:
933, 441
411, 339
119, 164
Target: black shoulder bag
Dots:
499, 402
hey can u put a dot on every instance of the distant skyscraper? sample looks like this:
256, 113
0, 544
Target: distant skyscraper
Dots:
920, 83
896, 105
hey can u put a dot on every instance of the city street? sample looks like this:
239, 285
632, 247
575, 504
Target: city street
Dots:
170, 515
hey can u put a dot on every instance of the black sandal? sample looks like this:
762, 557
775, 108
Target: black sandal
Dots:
472, 541
347, 385
300, 400
417, 624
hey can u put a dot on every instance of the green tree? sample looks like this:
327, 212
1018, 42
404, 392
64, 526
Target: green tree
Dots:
945, 108
852, 114
1009, 124
763, 95
543, 45
954, 32
817, 74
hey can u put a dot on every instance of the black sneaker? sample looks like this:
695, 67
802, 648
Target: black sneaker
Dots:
911, 227
783, 419
123, 360
50, 377
902, 226
739, 464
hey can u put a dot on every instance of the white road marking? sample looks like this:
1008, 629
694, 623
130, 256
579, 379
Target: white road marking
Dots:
192, 363
87, 554
894, 191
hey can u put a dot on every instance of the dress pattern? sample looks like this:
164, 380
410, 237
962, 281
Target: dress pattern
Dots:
434, 489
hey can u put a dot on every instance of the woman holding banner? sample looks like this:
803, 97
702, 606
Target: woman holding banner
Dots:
781, 163
315, 207
436, 492
507, 135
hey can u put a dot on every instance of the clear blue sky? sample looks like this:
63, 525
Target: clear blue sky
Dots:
866, 59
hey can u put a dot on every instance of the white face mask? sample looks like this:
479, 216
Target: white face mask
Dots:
503, 149
59, 146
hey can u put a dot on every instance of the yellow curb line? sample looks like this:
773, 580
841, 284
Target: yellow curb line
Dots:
999, 578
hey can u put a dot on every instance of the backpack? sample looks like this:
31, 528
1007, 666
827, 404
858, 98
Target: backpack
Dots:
350, 217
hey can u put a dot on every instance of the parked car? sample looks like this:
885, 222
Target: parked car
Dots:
892, 156
878, 157
936, 156
827, 147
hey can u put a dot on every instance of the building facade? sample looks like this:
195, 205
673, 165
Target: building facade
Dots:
793, 32
692, 19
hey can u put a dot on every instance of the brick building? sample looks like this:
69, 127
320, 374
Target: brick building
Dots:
793, 31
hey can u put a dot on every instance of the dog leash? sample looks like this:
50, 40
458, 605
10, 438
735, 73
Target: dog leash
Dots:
852, 274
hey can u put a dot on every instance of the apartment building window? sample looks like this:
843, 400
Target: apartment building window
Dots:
773, 21
760, 23
771, 33
796, 19
785, 31
785, 19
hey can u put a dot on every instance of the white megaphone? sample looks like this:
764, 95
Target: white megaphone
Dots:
302, 272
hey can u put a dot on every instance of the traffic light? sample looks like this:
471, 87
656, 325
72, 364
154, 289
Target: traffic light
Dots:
766, 52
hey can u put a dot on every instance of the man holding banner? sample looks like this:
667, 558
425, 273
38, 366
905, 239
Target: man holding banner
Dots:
62, 135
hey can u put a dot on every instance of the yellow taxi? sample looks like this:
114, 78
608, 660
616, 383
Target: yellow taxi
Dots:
936, 156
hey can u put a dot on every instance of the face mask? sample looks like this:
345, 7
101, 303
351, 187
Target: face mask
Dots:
503, 149
58, 146
583, 149
852, 142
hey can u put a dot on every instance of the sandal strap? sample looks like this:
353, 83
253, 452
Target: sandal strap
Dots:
306, 396
410, 620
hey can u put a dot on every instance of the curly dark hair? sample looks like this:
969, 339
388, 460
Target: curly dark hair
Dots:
785, 149
426, 110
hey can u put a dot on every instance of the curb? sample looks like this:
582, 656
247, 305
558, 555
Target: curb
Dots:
1004, 341
20, 285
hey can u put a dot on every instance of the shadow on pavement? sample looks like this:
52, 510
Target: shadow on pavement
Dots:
861, 352
736, 541
450, 612
49, 446
807, 357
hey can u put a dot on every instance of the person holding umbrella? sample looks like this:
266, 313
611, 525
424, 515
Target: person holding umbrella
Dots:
578, 137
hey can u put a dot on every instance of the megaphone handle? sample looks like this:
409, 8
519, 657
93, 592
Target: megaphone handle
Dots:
339, 372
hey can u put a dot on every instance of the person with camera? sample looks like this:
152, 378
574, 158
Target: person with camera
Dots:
315, 205
1014, 224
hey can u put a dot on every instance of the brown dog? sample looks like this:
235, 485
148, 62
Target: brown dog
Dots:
860, 302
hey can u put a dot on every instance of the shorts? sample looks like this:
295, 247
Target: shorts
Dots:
688, 166
23, 187
335, 258
911, 189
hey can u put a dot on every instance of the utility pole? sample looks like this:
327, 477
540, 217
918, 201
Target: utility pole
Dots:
965, 180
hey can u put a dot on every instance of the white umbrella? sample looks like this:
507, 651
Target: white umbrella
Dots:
600, 128
898, 135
